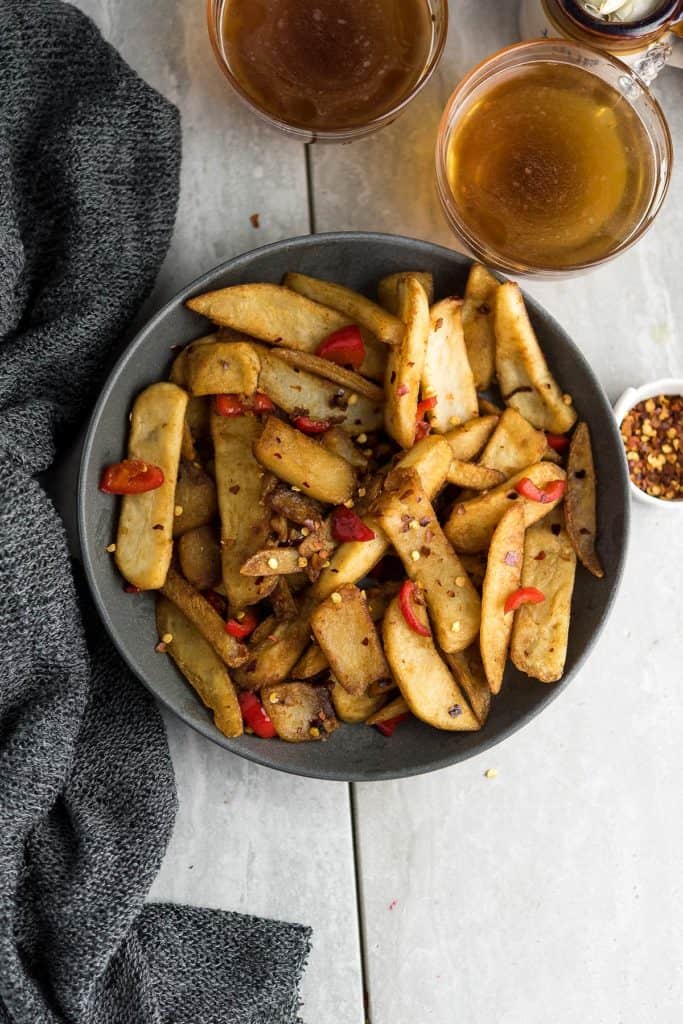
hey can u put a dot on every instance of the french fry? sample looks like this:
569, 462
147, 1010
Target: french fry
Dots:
580, 500
398, 706
144, 538
409, 521
241, 486
471, 524
198, 418
311, 663
271, 659
405, 363
283, 601
347, 636
513, 445
352, 707
383, 325
468, 440
477, 478
272, 562
478, 325
222, 368
525, 381
336, 440
196, 502
299, 711
488, 408
387, 289
540, 631
178, 374
429, 689
200, 557
201, 666
503, 575
446, 374
348, 379
205, 618
298, 460
468, 669
276, 314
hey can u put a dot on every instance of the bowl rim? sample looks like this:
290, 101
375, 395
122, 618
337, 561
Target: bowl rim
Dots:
627, 399
264, 758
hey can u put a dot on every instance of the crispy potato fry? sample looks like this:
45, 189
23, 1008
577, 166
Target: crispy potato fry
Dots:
222, 368
468, 440
513, 445
353, 560
478, 325
425, 682
205, 618
387, 289
280, 316
409, 521
580, 500
405, 364
200, 557
198, 418
503, 575
272, 562
488, 408
241, 487
295, 458
525, 381
178, 374
143, 542
299, 711
195, 497
398, 706
346, 634
468, 669
477, 478
336, 440
295, 390
283, 601
540, 631
271, 659
311, 663
471, 523
201, 666
187, 446
359, 310
354, 707
446, 374
347, 379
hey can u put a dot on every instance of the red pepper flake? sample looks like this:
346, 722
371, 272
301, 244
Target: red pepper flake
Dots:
402, 390
455, 711
130, 588
254, 218
511, 558
540, 556
235, 489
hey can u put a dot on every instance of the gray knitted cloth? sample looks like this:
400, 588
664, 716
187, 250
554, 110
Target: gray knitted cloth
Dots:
89, 161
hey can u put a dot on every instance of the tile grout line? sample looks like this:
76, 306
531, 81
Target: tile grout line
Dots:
359, 904
309, 187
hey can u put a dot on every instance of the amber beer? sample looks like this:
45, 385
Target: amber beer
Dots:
326, 65
550, 166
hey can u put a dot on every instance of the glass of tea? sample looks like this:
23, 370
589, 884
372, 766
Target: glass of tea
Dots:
551, 157
328, 70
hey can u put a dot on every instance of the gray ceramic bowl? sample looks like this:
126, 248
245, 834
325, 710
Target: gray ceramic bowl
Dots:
353, 752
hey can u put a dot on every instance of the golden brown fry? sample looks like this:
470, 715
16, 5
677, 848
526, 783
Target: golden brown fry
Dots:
352, 707
200, 557
201, 666
299, 711
468, 440
387, 289
477, 478
488, 408
205, 618
398, 706
478, 326
580, 500
348, 379
271, 659
513, 445
446, 374
468, 669
338, 441
311, 663
405, 364
196, 503
272, 562
198, 418
143, 542
178, 374
346, 634
295, 458
503, 575
222, 368
359, 310
187, 447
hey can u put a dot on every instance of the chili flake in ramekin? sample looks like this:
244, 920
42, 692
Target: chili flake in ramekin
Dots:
652, 432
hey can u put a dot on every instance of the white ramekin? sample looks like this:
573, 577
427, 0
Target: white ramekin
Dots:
626, 401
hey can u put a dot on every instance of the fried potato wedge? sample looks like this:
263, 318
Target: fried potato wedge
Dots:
241, 486
503, 575
398, 706
336, 440
540, 631
468, 669
196, 502
199, 555
387, 289
468, 440
359, 310
311, 663
488, 408
144, 537
446, 374
405, 363
299, 711
429, 689
513, 445
409, 521
353, 708
525, 381
272, 658
471, 524
478, 324
272, 562
296, 459
178, 374
476, 478
222, 368
201, 666
296, 390
347, 636
280, 316
205, 618
580, 500
348, 379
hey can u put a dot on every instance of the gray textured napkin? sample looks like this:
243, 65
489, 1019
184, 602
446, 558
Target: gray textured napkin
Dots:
89, 162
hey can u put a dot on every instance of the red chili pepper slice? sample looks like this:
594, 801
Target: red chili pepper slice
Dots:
525, 595
387, 728
346, 525
344, 347
255, 715
422, 429
132, 476
242, 627
422, 426
261, 403
215, 600
551, 492
558, 442
229, 405
308, 426
425, 406
405, 595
